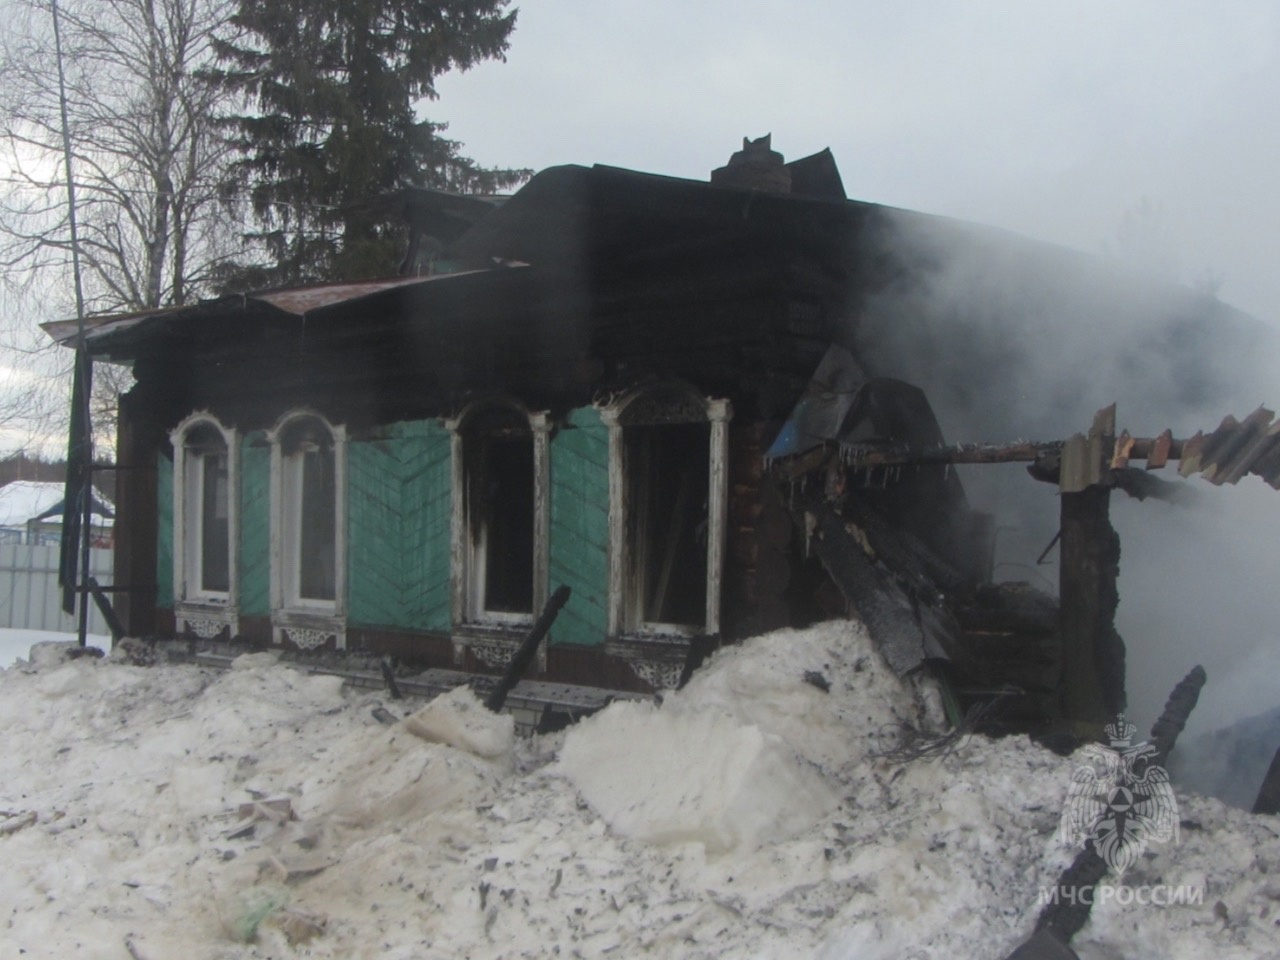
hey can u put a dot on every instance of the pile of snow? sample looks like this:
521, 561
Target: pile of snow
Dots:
19, 644
260, 812
747, 752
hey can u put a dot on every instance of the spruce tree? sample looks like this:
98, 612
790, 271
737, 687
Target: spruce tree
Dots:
330, 91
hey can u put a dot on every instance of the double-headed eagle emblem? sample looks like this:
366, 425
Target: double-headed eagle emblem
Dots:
1120, 798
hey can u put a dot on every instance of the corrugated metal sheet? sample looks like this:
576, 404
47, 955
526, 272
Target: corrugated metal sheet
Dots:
1236, 449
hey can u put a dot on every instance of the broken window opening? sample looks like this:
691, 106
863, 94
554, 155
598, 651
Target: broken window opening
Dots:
668, 477
668, 509
500, 512
499, 530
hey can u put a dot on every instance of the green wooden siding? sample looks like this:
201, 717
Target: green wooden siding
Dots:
164, 531
255, 526
399, 506
580, 527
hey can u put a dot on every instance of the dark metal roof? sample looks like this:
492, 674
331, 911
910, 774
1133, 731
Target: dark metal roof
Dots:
297, 302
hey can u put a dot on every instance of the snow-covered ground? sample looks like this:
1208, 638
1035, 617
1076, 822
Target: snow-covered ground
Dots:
16, 644
146, 811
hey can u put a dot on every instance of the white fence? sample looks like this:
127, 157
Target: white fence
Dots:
30, 598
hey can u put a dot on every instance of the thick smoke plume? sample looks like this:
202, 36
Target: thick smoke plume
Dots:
1014, 339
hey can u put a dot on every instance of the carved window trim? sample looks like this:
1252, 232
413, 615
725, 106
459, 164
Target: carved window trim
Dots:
657, 405
195, 608
292, 615
466, 561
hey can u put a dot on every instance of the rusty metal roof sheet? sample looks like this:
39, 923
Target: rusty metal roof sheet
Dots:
64, 331
303, 299
1237, 448
297, 301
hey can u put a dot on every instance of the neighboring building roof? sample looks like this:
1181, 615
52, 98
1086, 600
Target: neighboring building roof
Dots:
25, 500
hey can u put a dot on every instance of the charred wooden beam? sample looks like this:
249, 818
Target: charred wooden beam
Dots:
1173, 719
1235, 449
892, 580
528, 648
1269, 794
1064, 918
1092, 651
104, 606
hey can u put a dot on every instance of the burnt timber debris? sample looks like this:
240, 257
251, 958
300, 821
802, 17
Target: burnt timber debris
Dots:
1226, 455
1060, 921
1269, 793
519, 663
1059, 665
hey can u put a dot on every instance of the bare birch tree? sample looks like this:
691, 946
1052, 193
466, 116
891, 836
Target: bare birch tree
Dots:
148, 161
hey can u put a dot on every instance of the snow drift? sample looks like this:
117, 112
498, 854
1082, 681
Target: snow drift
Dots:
260, 812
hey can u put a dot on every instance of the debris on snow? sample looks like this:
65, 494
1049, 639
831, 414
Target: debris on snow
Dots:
472, 844
13, 821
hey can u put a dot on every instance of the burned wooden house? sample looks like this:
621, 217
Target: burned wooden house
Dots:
633, 385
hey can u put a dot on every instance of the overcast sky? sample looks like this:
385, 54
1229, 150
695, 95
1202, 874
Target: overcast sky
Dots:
1149, 125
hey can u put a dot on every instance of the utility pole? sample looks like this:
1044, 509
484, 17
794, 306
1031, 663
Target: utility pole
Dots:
80, 434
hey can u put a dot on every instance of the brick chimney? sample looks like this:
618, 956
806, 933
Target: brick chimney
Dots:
755, 167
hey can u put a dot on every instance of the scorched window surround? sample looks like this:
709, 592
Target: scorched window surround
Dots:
500, 514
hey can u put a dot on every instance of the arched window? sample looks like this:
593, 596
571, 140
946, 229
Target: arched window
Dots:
205, 524
667, 506
500, 514
308, 459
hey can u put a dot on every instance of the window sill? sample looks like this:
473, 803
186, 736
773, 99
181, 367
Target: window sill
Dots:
309, 627
656, 658
494, 642
206, 617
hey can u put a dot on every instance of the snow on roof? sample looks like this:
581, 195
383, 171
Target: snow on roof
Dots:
24, 500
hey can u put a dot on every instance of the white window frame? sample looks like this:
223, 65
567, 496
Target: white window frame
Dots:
206, 612
625, 606
307, 621
466, 556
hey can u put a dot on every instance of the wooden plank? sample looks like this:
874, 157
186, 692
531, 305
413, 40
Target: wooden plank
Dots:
1123, 450
426, 505
579, 525
399, 505
255, 526
1160, 448
375, 556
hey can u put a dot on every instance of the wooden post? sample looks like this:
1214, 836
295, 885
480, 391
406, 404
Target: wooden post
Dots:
1092, 652
137, 439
